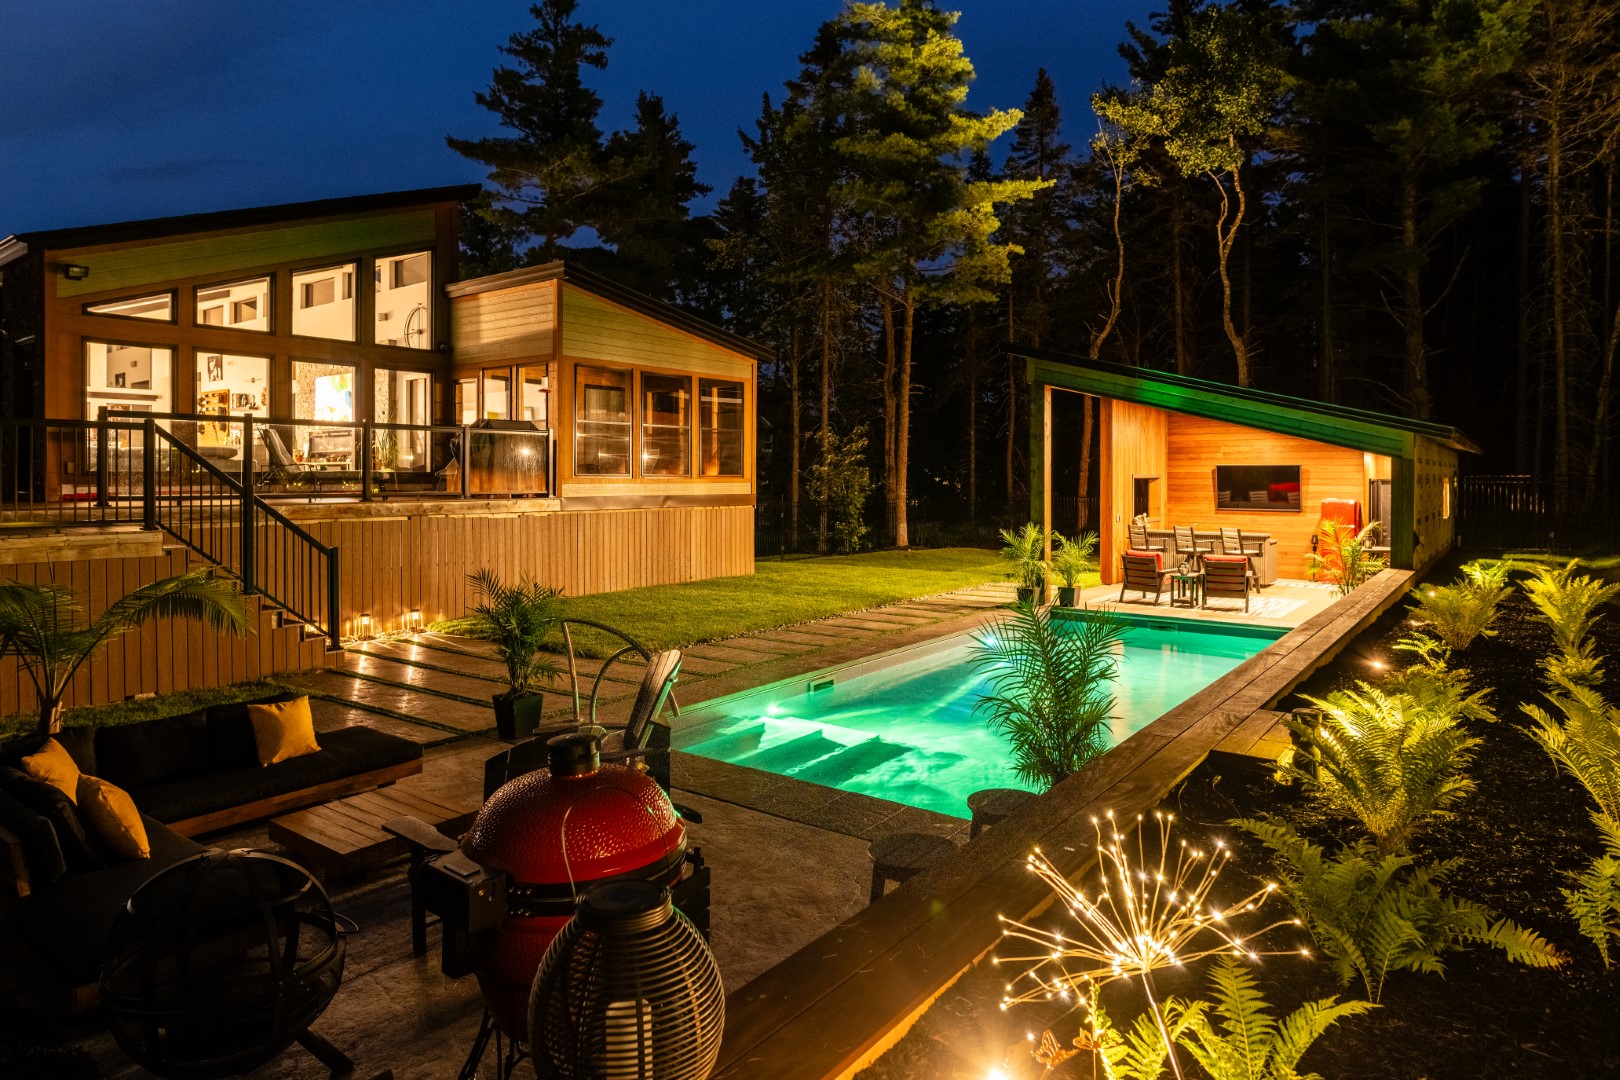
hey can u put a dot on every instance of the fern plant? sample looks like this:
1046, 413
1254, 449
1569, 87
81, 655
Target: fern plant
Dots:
1051, 692
1458, 614
1345, 556
1486, 573
1374, 914
1235, 1036
1567, 603
1435, 685
1586, 745
1384, 760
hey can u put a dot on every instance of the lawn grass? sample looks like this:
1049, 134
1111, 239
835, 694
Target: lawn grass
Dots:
1594, 563
779, 592
142, 709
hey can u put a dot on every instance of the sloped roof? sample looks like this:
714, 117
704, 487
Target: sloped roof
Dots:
608, 289
1337, 425
150, 228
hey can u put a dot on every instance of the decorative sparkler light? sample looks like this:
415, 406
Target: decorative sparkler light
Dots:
1143, 916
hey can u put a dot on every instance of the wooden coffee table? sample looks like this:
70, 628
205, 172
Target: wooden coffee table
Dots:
346, 836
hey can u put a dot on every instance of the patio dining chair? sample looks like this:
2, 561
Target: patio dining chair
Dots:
1232, 543
1141, 541
1145, 572
1188, 547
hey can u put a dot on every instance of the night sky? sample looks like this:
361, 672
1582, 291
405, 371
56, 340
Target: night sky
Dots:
122, 111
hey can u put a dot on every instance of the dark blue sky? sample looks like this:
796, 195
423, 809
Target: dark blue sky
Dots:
112, 111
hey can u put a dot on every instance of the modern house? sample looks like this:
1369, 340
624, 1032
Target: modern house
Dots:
1189, 452
317, 372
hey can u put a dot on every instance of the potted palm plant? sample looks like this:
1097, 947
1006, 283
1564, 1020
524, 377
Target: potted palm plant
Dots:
517, 618
1072, 559
1049, 688
42, 626
1345, 557
1024, 552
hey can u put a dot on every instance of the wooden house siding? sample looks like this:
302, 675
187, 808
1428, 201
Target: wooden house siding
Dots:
164, 656
598, 329
134, 266
506, 324
1434, 524
1133, 439
1197, 445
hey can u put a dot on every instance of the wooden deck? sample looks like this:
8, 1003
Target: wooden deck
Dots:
837, 1004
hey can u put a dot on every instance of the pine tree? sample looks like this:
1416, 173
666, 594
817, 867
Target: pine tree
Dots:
546, 174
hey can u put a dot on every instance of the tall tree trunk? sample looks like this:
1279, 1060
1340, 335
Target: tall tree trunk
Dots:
826, 401
1088, 414
1177, 285
890, 415
1417, 373
1012, 410
1327, 372
1226, 232
1558, 285
902, 448
1116, 288
973, 416
1521, 374
795, 466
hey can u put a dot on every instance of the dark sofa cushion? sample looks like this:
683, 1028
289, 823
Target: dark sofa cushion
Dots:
79, 852
133, 755
71, 919
42, 855
231, 744
344, 753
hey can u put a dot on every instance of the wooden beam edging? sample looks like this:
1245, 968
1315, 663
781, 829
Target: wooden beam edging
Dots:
837, 1004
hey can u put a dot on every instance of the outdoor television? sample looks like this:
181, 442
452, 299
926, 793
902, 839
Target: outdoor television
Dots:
1257, 487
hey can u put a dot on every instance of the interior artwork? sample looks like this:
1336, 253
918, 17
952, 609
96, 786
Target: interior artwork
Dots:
1257, 487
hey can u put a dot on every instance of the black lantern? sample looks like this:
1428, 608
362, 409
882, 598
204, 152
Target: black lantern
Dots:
221, 962
628, 990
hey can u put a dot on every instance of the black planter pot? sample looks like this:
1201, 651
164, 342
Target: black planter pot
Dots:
516, 716
1066, 595
1026, 595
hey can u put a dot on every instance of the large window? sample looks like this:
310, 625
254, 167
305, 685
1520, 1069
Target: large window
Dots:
666, 425
323, 302
227, 383
159, 307
497, 394
236, 305
466, 401
536, 396
323, 395
720, 428
601, 422
401, 397
404, 305
128, 378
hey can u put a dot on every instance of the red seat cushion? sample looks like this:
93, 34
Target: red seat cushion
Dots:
1156, 556
1242, 559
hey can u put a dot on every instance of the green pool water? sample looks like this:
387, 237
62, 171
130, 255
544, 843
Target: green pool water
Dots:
907, 732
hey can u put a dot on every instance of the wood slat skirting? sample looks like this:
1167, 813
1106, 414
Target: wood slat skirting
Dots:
834, 1007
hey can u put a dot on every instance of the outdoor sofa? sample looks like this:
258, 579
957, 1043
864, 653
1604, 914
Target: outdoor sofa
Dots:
60, 891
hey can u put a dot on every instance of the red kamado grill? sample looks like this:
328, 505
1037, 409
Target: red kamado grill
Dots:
550, 834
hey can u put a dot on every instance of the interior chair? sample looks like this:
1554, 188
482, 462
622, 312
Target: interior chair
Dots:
284, 469
1227, 575
1143, 571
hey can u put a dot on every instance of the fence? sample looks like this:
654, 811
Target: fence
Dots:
1527, 511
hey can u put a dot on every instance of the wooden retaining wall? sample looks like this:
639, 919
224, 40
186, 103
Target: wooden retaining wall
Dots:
165, 655
837, 1004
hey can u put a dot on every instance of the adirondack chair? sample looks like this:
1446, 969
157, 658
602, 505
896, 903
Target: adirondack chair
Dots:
1227, 575
1145, 572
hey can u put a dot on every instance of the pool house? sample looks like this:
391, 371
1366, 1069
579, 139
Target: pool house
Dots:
311, 397
1177, 452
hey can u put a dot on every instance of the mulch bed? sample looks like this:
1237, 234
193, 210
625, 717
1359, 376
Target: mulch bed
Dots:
1520, 834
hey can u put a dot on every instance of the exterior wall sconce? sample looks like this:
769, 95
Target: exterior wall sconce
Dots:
75, 271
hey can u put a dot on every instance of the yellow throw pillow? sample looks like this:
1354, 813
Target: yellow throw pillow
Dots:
111, 815
283, 731
54, 765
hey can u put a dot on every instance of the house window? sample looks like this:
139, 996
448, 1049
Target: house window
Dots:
666, 425
237, 305
601, 422
323, 302
323, 397
401, 397
536, 399
466, 401
497, 394
227, 383
158, 307
1446, 487
404, 308
128, 378
720, 428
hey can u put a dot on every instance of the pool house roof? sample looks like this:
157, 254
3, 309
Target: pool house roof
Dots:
1337, 425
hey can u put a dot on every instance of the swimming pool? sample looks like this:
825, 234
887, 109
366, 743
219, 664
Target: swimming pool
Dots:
901, 727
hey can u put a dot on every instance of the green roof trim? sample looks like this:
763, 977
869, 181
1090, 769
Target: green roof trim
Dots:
1337, 425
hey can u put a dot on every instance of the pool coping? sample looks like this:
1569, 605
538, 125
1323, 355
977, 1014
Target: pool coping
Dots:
837, 1004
